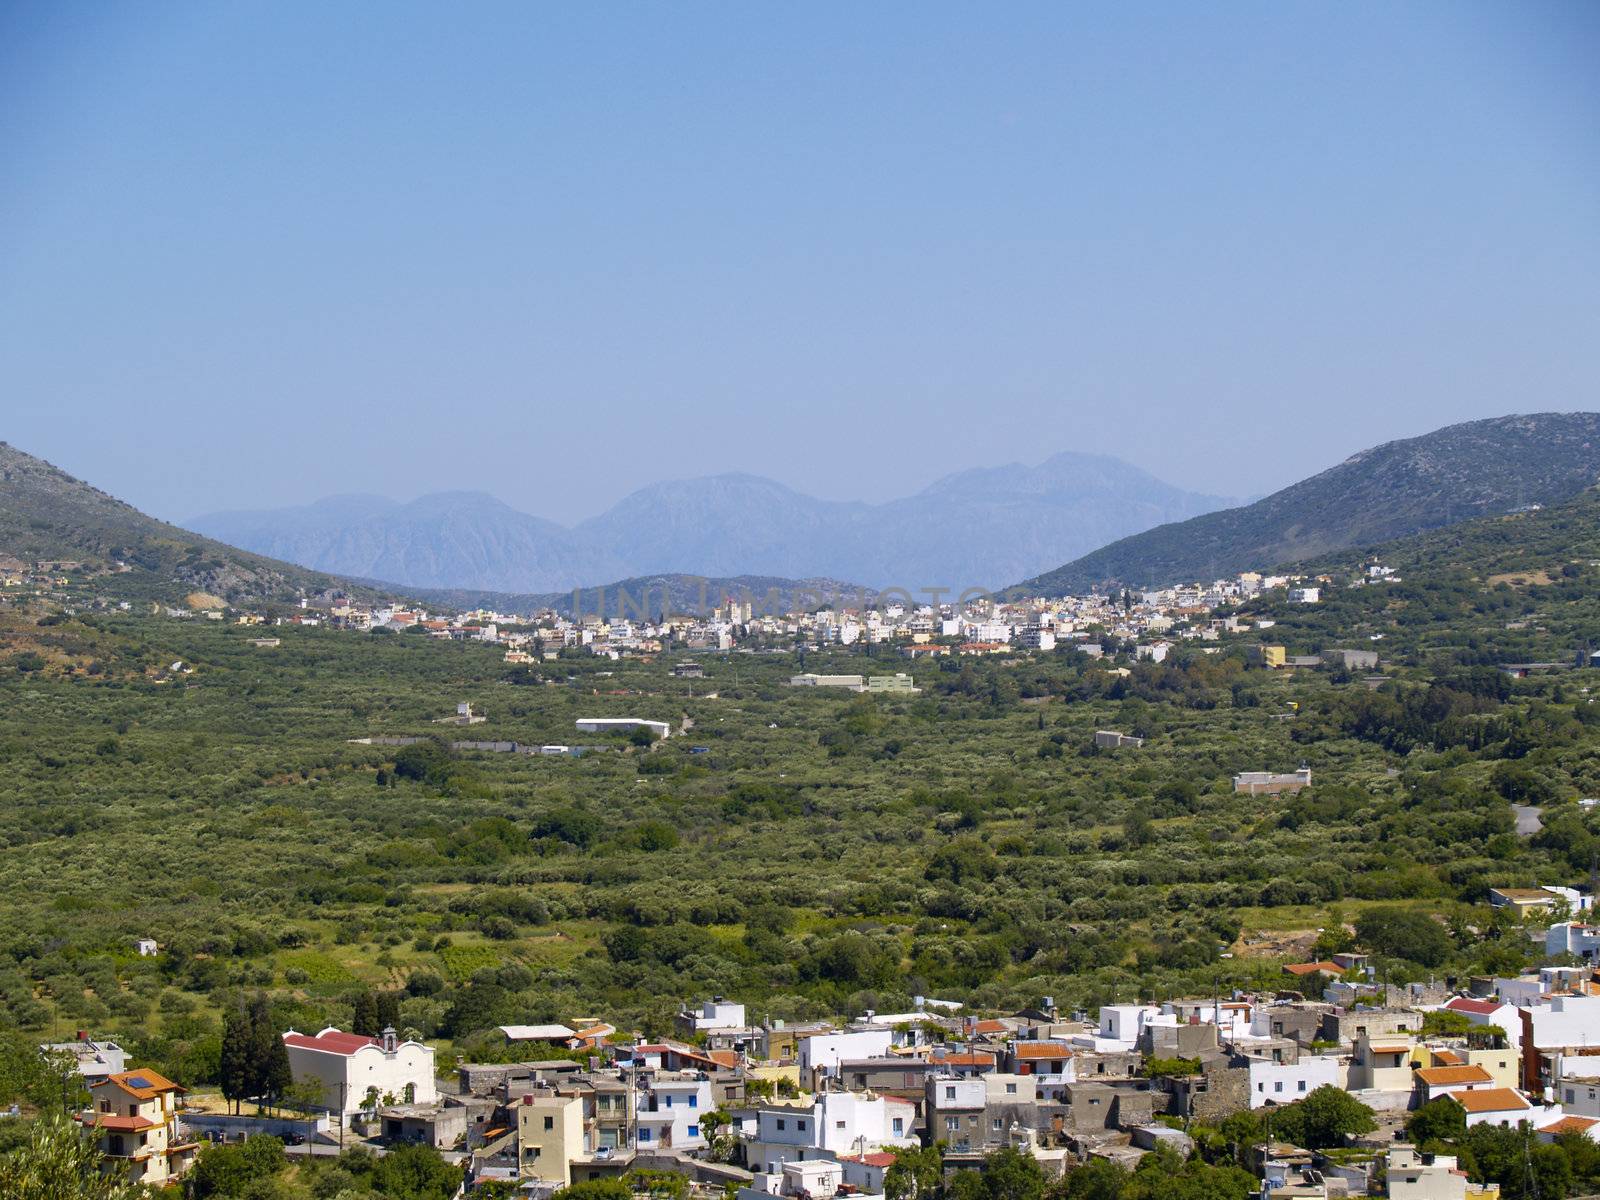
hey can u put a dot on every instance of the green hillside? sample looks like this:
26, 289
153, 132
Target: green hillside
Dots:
1454, 474
47, 514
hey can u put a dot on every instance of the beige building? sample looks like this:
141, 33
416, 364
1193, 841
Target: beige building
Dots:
135, 1119
1502, 1065
1382, 1063
549, 1137
1416, 1176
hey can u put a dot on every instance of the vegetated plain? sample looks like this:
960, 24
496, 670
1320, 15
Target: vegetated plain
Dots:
813, 853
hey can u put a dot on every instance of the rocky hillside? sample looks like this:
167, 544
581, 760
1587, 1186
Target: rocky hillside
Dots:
47, 514
1454, 474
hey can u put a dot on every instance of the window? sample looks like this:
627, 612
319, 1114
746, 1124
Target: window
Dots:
1278, 1086
1302, 1086
1572, 1096
838, 1124
952, 1124
999, 1124
800, 1125
694, 1101
549, 1123
782, 1124
1261, 1087
669, 1099
899, 1126
949, 1093
694, 1131
644, 1135
1011, 1089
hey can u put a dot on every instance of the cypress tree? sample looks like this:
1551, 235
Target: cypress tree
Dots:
365, 1021
388, 1012
235, 1068
262, 1037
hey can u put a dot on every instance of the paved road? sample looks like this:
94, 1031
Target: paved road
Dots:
1528, 819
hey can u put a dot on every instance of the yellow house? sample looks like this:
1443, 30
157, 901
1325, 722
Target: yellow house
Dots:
1500, 1064
549, 1137
135, 1120
1383, 1063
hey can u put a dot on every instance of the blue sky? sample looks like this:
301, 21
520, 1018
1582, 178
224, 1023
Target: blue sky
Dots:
252, 254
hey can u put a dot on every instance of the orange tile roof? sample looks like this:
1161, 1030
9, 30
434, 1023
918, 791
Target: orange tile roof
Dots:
991, 1026
1444, 1076
1396, 1049
1570, 1125
971, 1058
1311, 968
1490, 1100
145, 1084
1042, 1050
1449, 1058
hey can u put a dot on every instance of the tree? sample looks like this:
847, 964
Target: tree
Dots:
235, 1065
1097, 1179
57, 1162
915, 1173
1440, 1120
413, 1172
1404, 933
388, 1011
228, 1170
1523, 1166
595, 1189
1012, 1175
365, 1018
1323, 1119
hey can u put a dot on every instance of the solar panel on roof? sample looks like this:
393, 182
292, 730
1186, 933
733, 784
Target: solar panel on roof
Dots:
139, 1081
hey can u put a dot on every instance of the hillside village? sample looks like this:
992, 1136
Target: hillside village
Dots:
1324, 1086
1143, 626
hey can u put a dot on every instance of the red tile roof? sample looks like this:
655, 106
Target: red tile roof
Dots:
878, 1158
123, 1124
1483, 1008
1312, 968
330, 1041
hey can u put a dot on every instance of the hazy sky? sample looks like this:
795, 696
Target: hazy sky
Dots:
251, 254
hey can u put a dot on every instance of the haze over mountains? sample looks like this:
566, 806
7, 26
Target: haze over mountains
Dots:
982, 527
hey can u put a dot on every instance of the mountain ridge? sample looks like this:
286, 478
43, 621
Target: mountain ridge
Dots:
971, 528
1385, 492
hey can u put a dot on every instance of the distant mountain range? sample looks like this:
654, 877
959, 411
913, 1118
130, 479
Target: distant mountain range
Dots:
1454, 474
976, 528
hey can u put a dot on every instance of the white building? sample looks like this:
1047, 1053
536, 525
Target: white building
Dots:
1574, 938
822, 1052
838, 1123
358, 1072
718, 1013
1121, 1025
1284, 1083
670, 1107
1305, 595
